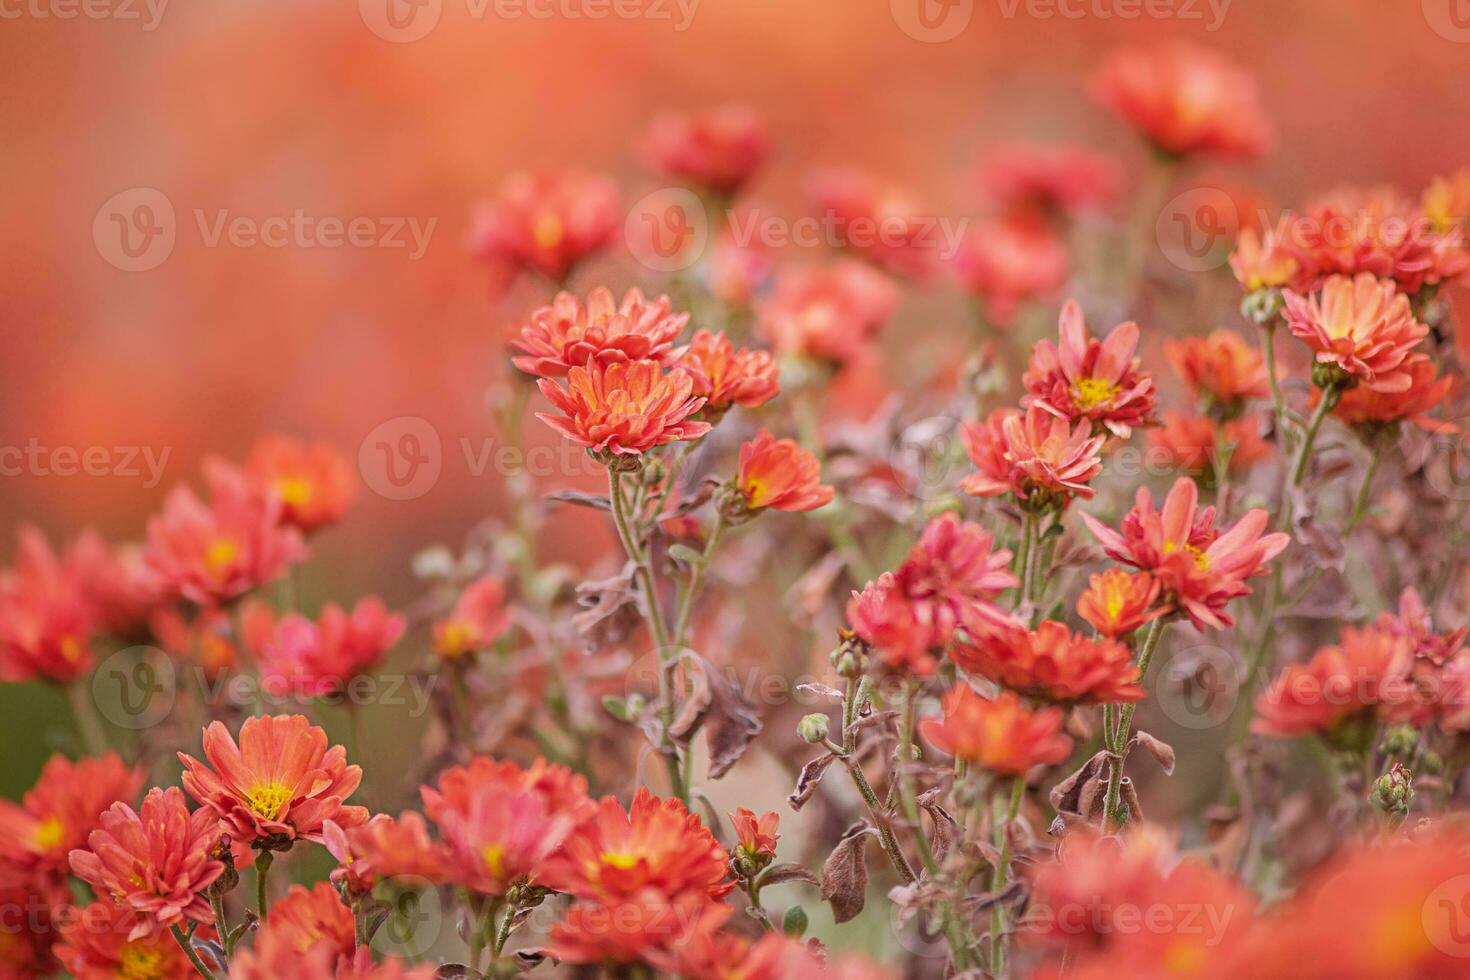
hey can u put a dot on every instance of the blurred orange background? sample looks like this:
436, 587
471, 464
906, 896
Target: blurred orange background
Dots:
270, 108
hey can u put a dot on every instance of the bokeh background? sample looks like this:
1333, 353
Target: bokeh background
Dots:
271, 107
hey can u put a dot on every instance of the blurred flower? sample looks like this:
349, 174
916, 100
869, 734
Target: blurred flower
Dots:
1262, 260
1116, 602
273, 957
1005, 264
1191, 442
47, 620
827, 312
58, 813
715, 149
624, 408
737, 271
757, 836
387, 848
1053, 663
656, 844
1377, 231
950, 580
781, 475
1446, 202
213, 554
94, 944
1185, 100
998, 735
1426, 392
1413, 622
879, 220
1039, 457
724, 376
478, 620
547, 222
306, 917
1365, 669
1221, 369
318, 659
1085, 378
620, 929
1363, 326
153, 862
279, 784
568, 334
314, 484
1034, 179
1199, 568
117, 581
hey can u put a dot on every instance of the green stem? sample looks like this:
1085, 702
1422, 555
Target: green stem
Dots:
190, 951
696, 577
881, 822
263, 862
89, 725
1022, 568
1119, 746
998, 880
1278, 400
221, 923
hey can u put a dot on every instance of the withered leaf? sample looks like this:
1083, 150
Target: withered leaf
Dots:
1082, 796
806, 782
609, 607
1162, 751
778, 874
821, 690
717, 705
844, 880
595, 501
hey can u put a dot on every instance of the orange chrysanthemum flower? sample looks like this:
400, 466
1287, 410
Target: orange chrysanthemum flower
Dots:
1446, 202
1084, 378
757, 834
1185, 100
281, 783
386, 848
1377, 231
478, 620
715, 149
47, 618
1362, 326
314, 484
1192, 443
154, 862
1054, 663
547, 222
1427, 391
1220, 369
1039, 457
1367, 670
950, 581
1005, 264
781, 475
1263, 260
724, 376
643, 927
500, 823
1116, 603
655, 844
272, 957
214, 553
93, 944
1033, 179
1199, 568
306, 917
567, 334
998, 735
624, 408
58, 813
827, 313
875, 218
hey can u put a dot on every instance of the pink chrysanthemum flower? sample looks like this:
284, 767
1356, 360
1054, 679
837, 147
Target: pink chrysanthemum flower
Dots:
1032, 179
828, 313
1199, 568
1041, 458
879, 220
547, 222
58, 813
315, 484
567, 334
1219, 367
1366, 671
717, 149
48, 620
624, 408
317, 659
93, 944
1364, 327
1005, 264
1086, 378
479, 618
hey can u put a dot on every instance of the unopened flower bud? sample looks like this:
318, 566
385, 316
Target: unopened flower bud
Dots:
1393, 791
654, 472
1263, 306
813, 728
228, 878
850, 658
1400, 741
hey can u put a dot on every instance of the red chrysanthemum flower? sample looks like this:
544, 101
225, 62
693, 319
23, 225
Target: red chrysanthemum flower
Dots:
1054, 663
478, 620
1363, 326
1220, 369
1376, 231
1192, 443
1033, 179
999, 735
1199, 568
214, 553
274, 957
1427, 391
314, 484
1039, 457
547, 222
154, 862
757, 834
500, 823
385, 848
877, 219
281, 783
724, 376
47, 617
642, 927
1364, 671
715, 149
949, 581
58, 813
624, 408
1116, 603
1086, 378
567, 334
829, 312
306, 917
781, 475
1185, 100
93, 944
1005, 264
318, 659
656, 844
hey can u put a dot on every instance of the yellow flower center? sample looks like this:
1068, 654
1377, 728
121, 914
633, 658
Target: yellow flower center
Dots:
1398, 941
1089, 393
1185, 959
494, 855
71, 648
220, 554
1201, 560
49, 833
1115, 605
139, 962
548, 231
620, 861
455, 637
294, 490
268, 801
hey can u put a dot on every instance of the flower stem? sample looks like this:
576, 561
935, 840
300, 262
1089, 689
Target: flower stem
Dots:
1268, 352
1119, 738
696, 576
84, 710
190, 951
1022, 568
998, 879
263, 862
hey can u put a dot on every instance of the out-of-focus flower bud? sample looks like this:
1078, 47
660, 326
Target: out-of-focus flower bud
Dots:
1393, 791
1400, 741
813, 728
230, 877
1262, 306
850, 658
